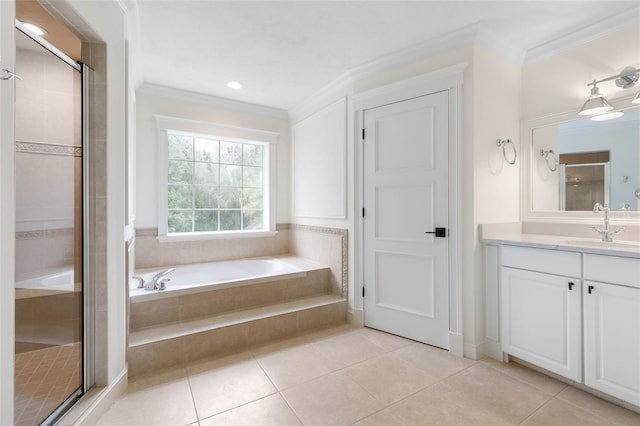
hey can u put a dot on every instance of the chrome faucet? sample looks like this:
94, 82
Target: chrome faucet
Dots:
607, 234
161, 278
157, 282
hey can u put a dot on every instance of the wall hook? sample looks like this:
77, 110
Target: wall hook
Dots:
503, 144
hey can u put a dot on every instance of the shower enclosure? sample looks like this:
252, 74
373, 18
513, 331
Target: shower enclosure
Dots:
50, 240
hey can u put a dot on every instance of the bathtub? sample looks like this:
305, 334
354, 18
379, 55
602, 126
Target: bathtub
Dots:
200, 277
59, 279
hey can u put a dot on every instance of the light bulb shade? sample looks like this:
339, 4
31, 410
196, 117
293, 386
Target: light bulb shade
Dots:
636, 99
596, 104
607, 116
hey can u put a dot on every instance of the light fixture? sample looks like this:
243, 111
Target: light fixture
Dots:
35, 29
234, 85
597, 105
607, 116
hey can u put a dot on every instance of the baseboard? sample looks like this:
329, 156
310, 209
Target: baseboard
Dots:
355, 317
456, 344
473, 351
493, 349
96, 402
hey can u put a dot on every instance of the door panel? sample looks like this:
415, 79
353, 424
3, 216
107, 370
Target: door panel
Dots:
406, 271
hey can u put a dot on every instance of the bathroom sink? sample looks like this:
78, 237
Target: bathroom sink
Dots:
604, 244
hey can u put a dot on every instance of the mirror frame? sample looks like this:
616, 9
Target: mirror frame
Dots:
526, 200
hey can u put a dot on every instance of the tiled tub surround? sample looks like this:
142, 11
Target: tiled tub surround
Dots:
168, 331
327, 246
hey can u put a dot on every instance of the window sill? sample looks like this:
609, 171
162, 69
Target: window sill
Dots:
214, 236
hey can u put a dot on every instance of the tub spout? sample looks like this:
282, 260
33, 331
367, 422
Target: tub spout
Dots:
161, 278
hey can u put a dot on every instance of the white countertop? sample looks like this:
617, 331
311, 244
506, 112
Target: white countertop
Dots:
563, 242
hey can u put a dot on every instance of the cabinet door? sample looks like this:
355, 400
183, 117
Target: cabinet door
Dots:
612, 340
541, 320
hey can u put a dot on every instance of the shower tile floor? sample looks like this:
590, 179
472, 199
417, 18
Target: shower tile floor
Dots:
344, 376
44, 378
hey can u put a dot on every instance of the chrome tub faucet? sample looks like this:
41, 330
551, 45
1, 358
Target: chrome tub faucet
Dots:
157, 282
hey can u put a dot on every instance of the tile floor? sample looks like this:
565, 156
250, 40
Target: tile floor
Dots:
44, 378
344, 376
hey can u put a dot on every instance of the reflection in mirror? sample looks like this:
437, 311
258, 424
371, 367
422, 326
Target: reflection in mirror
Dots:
597, 162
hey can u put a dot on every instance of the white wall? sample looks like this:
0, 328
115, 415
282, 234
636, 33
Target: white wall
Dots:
496, 101
559, 83
150, 102
490, 103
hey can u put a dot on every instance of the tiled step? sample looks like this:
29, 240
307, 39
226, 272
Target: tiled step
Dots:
164, 310
185, 341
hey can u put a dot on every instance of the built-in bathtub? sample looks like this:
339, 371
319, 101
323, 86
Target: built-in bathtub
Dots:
58, 279
204, 277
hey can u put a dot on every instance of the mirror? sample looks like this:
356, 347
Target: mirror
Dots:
579, 162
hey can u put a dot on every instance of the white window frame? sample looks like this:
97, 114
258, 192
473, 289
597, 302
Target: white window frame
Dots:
209, 130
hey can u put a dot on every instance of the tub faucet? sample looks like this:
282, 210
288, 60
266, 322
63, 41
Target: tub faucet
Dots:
158, 281
607, 234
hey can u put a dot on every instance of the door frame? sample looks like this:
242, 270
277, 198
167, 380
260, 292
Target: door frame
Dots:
450, 79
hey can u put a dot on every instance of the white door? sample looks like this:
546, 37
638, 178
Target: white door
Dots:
612, 340
406, 270
541, 320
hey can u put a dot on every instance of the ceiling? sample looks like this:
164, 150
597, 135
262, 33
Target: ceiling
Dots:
285, 51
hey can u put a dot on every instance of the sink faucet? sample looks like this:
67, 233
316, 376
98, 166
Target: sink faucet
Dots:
607, 234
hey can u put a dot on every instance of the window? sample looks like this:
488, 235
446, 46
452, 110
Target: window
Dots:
212, 185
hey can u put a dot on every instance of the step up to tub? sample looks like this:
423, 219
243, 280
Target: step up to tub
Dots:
176, 343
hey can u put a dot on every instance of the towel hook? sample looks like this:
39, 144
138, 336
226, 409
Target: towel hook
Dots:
503, 144
545, 154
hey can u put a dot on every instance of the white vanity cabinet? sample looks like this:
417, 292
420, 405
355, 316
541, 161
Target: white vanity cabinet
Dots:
611, 326
541, 308
574, 314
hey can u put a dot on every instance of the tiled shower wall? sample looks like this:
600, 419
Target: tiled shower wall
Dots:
48, 162
324, 245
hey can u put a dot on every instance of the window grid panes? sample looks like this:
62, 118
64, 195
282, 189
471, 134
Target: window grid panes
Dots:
214, 185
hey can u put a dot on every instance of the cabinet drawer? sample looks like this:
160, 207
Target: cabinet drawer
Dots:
549, 261
612, 269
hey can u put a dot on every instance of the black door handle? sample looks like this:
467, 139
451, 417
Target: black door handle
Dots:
590, 289
571, 286
439, 232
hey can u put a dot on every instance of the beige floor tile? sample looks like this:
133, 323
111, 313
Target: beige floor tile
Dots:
333, 400
346, 349
389, 379
272, 410
435, 361
600, 407
387, 341
527, 375
381, 418
561, 413
441, 404
291, 367
161, 399
225, 383
506, 397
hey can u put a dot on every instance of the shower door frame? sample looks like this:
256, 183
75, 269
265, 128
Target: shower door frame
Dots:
88, 313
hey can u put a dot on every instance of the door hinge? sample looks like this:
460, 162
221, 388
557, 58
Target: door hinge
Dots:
362, 291
363, 134
363, 212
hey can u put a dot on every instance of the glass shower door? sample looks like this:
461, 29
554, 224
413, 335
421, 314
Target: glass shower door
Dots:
49, 236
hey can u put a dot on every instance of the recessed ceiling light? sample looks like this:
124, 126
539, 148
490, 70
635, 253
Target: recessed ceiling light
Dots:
234, 85
35, 29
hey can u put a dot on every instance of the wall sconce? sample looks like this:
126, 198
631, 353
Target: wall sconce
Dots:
597, 105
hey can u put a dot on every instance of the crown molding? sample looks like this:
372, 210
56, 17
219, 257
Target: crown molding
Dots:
210, 100
332, 92
584, 35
